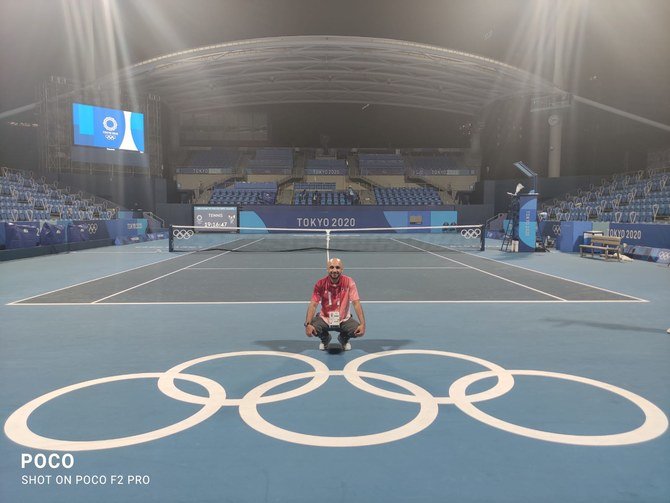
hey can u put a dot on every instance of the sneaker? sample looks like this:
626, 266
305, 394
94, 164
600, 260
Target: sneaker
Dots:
324, 343
346, 346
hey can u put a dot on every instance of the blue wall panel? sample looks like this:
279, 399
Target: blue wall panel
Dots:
344, 217
654, 235
572, 235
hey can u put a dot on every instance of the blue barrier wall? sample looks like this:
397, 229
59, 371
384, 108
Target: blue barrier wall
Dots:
346, 217
649, 235
572, 235
654, 235
469, 214
94, 229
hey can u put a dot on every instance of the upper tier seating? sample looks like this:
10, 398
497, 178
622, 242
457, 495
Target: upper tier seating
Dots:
381, 164
643, 197
405, 196
300, 186
326, 166
433, 165
225, 159
272, 161
245, 193
323, 198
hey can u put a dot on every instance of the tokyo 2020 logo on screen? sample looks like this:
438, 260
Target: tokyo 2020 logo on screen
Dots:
107, 128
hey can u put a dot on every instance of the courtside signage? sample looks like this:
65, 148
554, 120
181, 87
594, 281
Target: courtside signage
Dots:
215, 217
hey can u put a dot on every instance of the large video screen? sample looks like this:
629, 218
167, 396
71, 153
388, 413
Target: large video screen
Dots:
107, 128
215, 217
108, 136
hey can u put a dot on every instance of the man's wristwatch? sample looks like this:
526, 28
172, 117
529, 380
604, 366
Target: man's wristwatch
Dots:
307, 323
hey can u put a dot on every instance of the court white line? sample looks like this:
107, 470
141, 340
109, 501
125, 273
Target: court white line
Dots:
485, 272
303, 302
96, 279
106, 276
634, 299
120, 252
556, 277
317, 268
173, 272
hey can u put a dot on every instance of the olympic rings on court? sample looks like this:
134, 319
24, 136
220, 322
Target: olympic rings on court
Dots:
182, 233
427, 414
655, 423
505, 380
16, 427
167, 387
471, 233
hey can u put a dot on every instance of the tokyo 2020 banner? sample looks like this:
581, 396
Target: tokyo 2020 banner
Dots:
347, 217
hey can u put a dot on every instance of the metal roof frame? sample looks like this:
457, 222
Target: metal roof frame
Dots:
327, 69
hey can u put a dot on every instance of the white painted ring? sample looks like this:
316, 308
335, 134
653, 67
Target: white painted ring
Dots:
427, 414
504, 384
167, 386
655, 423
17, 429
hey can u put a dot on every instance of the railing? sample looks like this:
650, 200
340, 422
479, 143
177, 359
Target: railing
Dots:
152, 216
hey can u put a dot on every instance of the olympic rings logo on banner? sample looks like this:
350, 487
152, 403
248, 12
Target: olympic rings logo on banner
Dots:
655, 421
471, 233
557, 230
182, 233
110, 125
92, 228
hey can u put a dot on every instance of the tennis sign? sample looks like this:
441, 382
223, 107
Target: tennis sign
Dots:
215, 217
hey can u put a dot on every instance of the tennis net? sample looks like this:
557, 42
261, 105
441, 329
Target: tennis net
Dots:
396, 239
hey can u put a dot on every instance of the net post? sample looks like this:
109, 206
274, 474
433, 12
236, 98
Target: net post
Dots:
483, 238
170, 240
327, 245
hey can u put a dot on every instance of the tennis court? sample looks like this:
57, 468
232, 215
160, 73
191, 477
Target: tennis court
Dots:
395, 268
483, 376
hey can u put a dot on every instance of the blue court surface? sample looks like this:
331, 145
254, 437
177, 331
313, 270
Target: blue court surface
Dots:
142, 375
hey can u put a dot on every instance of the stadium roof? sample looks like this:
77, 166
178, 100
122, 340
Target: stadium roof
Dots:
328, 69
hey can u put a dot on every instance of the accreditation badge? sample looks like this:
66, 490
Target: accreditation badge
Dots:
334, 318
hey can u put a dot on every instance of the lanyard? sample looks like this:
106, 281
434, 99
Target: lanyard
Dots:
330, 298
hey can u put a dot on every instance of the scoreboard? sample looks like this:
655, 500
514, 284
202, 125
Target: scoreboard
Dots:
215, 217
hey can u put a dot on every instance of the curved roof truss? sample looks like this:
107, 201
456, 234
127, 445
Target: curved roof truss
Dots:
328, 69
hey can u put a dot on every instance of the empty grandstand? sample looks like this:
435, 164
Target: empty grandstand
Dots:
24, 199
395, 196
225, 160
641, 197
271, 161
326, 167
245, 193
381, 164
